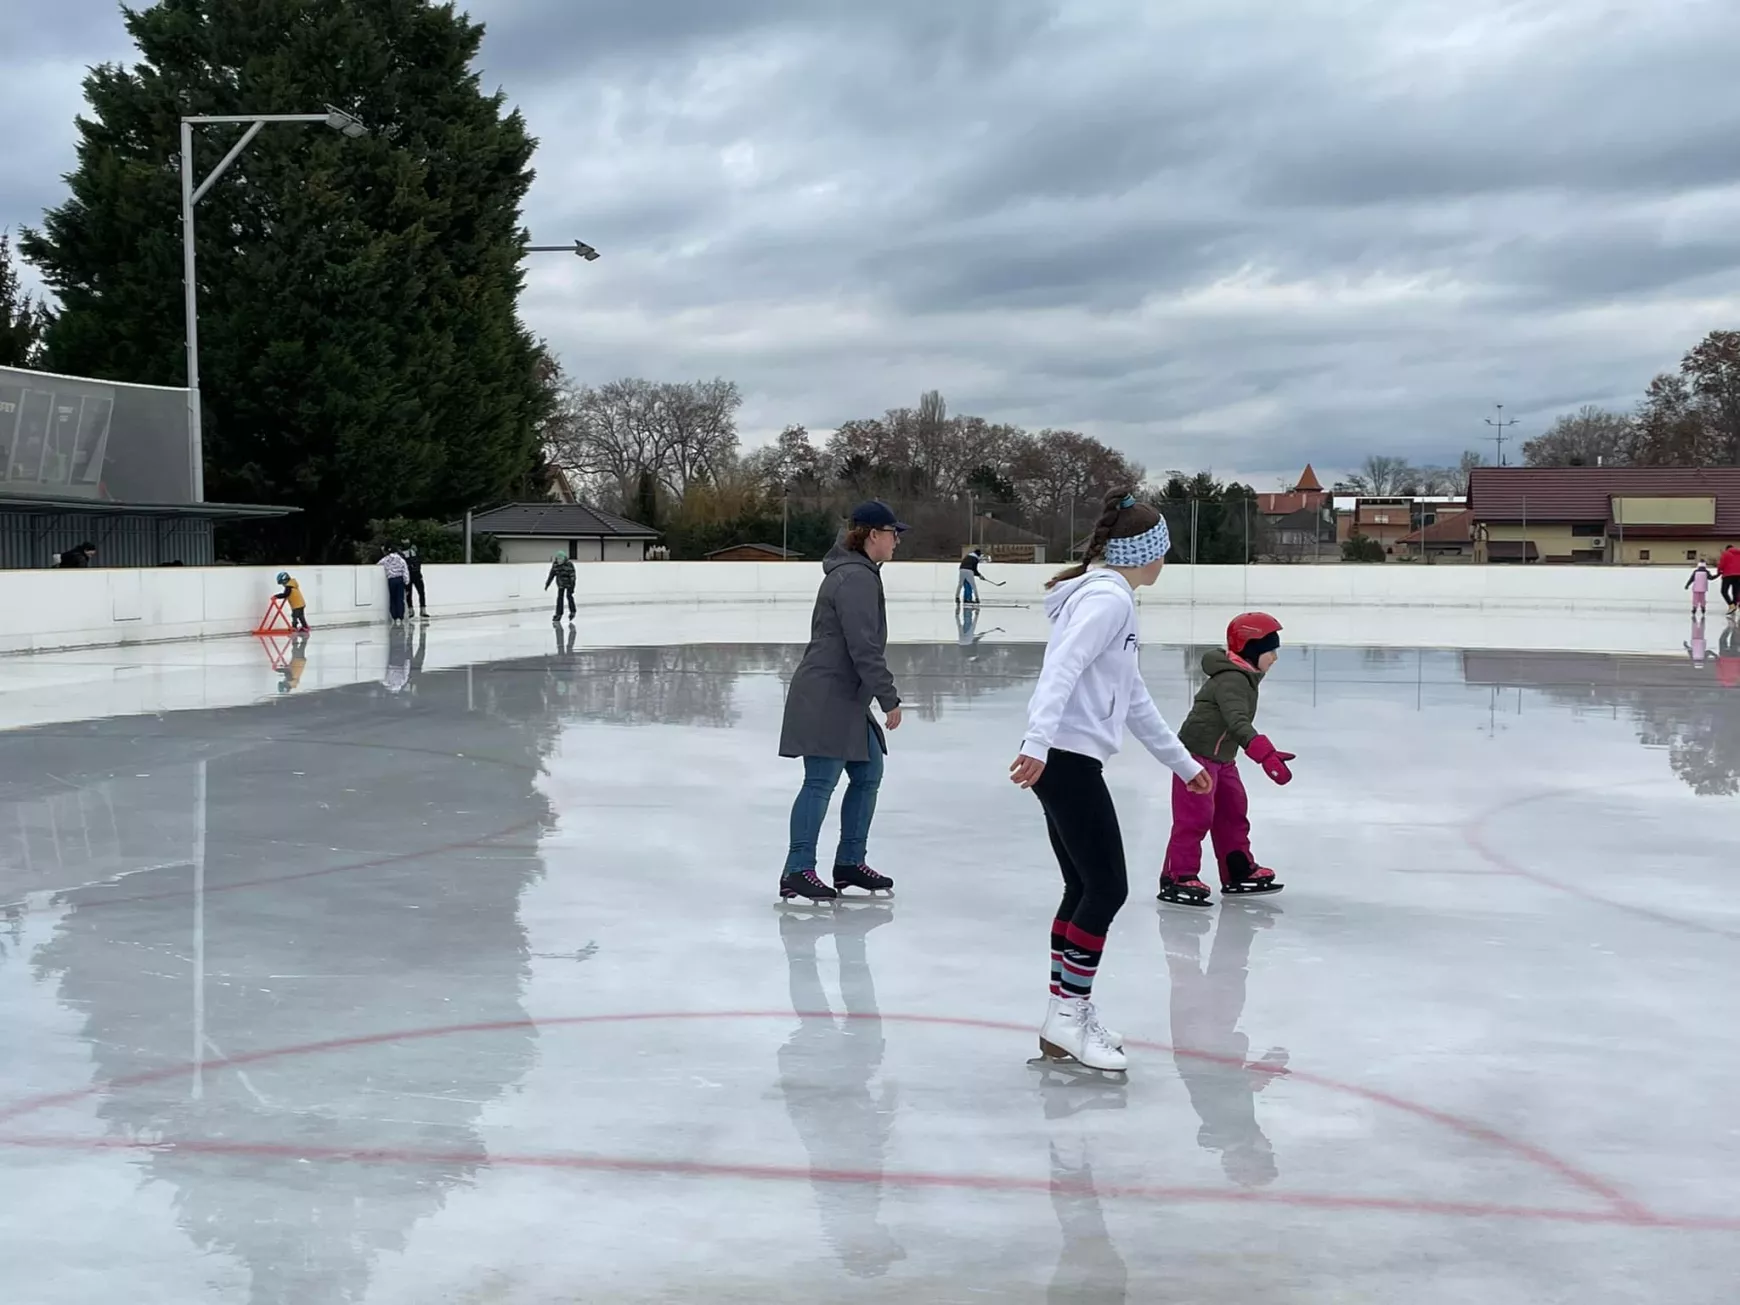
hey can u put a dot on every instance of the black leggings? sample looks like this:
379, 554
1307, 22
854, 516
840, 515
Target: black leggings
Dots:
1731, 589
1083, 826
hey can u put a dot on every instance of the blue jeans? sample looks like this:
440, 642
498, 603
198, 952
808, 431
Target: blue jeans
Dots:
966, 591
857, 808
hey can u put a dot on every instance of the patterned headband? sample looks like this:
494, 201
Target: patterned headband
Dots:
1139, 550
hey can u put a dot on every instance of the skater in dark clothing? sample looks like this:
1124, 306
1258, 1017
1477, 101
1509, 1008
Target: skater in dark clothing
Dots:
414, 584
562, 574
1223, 720
827, 710
83, 555
967, 583
291, 596
1090, 687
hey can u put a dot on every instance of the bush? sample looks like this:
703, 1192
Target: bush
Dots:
434, 542
1362, 548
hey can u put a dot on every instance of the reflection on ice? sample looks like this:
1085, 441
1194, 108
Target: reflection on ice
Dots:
825, 1072
1209, 1048
514, 840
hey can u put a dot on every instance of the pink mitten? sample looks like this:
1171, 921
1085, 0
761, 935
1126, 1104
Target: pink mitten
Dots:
1273, 762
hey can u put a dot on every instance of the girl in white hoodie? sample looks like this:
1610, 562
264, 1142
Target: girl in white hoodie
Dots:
1089, 689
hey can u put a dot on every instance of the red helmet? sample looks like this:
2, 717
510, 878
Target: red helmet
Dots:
1248, 626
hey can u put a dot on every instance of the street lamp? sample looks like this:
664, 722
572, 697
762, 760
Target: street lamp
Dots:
580, 249
347, 124
1501, 425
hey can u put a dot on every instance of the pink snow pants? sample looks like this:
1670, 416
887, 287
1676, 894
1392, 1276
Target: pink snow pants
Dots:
1222, 813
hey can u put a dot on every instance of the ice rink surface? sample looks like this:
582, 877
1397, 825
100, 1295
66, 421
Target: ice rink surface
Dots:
446, 968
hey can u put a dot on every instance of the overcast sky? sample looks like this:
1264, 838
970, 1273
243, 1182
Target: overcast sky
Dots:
1235, 234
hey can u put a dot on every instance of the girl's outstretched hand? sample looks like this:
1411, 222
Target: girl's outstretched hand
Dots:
1203, 783
1025, 771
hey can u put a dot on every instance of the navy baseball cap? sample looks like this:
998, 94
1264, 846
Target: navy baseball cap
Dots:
878, 516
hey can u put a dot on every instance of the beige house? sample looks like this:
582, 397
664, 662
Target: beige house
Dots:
1642, 516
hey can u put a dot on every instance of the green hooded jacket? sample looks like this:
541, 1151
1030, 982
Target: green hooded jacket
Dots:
1223, 718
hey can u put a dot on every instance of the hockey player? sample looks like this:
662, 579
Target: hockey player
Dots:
1223, 720
1090, 687
967, 583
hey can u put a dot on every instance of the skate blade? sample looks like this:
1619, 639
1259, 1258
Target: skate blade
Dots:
865, 895
1182, 900
1064, 1063
799, 902
1251, 890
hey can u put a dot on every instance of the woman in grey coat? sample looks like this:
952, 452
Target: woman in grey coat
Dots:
827, 711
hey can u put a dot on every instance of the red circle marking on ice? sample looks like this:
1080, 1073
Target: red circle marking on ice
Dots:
1621, 1208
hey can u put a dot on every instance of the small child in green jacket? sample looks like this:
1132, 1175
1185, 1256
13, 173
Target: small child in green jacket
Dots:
1223, 720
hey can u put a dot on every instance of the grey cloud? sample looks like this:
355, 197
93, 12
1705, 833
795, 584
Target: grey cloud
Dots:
1221, 232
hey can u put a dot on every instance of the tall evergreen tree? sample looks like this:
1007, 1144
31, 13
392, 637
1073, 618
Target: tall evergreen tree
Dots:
22, 318
360, 350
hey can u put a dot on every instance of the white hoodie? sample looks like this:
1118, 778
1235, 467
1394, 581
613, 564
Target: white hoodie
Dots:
1091, 684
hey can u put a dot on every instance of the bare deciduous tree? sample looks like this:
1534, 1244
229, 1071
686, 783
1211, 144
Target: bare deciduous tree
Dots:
1672, 429
613, 436
1589, 437
1381, 476
1713, 372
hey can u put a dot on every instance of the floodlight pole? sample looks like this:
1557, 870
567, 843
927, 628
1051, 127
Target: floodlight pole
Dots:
191, 194
580, 249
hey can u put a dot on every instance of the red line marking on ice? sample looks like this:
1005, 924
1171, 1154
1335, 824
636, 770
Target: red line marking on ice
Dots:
890, 1178
1623, 1208
1474, 834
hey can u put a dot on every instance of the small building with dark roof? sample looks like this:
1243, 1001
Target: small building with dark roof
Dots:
1651, 516
533, 532
1450, 536
754, 553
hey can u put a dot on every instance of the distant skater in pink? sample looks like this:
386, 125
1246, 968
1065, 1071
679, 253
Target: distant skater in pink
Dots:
1699, 584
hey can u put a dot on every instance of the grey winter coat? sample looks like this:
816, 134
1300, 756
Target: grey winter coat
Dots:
844, 668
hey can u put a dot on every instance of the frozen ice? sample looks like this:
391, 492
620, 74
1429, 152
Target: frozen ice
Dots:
446, 967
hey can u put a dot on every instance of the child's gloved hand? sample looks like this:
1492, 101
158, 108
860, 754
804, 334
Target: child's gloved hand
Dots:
1273, 761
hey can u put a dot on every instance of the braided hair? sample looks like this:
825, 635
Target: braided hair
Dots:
1122, 518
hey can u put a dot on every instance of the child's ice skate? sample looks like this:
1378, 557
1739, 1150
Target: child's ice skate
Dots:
1072, 1035
1183, 892
1240, 874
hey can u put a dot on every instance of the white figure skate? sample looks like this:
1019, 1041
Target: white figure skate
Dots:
1112, 1035
1072, 1033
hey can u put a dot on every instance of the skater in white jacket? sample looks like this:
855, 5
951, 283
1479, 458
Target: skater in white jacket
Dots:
1090, 688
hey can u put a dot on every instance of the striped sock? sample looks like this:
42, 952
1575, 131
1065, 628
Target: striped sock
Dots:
1079, 961
1058, 943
